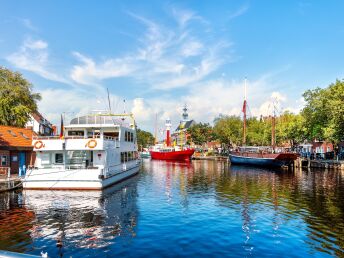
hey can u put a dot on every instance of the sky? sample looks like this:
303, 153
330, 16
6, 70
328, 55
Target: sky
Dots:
160, 55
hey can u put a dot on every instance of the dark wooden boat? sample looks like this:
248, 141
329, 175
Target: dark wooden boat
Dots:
245, 156
261, 156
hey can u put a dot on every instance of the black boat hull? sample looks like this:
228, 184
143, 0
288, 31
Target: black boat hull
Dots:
253, 161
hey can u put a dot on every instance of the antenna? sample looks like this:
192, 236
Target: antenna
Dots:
245, 89
124, 106
108, 95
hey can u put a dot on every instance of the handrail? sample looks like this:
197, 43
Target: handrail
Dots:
73, 137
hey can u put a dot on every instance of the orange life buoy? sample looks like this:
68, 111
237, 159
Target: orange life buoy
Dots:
91, 144
38, 145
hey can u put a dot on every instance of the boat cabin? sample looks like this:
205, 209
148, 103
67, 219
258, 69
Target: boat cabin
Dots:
88, 142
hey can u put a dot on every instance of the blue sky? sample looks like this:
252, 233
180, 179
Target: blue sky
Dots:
160, 55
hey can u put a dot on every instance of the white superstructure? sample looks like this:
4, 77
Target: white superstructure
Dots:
94, 152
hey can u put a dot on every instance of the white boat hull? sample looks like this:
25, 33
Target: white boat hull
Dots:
76, 179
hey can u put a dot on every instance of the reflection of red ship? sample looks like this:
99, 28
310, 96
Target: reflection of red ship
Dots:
167, 152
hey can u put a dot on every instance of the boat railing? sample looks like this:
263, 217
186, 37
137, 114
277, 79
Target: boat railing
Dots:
56, 137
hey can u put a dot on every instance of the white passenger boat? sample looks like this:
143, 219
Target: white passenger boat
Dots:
95, 151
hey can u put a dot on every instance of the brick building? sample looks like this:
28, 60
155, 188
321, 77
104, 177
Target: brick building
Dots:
16, 150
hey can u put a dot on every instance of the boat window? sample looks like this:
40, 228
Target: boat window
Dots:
45, 158
59, 158
76, 158
75, 133
113, 135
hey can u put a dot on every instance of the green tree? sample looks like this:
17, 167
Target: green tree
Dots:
324, 112
144, 138
290, 128
228, 129
17, 101
201, 133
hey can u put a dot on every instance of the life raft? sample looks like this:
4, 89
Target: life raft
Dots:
39, 145
91, 144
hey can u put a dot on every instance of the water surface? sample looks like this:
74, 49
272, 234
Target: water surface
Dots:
171, 209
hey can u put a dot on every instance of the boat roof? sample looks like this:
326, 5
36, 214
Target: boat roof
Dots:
99, 120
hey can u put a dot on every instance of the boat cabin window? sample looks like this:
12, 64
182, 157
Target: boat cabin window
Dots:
58, 158
93, 134
111, 135
45, 158
129, 136
128, 156
75, 133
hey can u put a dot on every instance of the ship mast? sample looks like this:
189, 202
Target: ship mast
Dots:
273, 128
244, 111
156, 129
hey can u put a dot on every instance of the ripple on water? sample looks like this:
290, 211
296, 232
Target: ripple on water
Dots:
198, 209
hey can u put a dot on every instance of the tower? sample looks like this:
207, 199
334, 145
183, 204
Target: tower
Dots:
185, 114
168, 128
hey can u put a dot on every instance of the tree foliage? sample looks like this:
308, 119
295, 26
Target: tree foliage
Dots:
324, 112
17, 101
228, 129
201, 133
144, 138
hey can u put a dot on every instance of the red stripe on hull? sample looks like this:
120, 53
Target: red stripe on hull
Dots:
172, 155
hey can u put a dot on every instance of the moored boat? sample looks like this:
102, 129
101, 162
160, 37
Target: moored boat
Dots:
93, 152
261, 156
256, 156
168, 152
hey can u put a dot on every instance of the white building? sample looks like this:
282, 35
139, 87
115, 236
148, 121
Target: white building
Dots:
39, 124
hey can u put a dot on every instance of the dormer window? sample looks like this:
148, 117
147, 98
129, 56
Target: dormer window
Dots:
12, 133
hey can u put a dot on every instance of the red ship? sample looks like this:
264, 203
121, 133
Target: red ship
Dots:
168, 152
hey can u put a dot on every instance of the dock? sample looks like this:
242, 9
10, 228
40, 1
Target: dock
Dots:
324, 164
10, 184
217, 158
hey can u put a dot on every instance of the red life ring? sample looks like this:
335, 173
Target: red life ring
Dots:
39, 145
91, 144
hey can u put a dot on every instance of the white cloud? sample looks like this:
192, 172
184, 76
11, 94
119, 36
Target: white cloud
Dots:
166, 57
28, 24
33, 56
240, 11
91, 73
192, 48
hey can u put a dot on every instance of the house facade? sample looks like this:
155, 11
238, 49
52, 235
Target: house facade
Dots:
318, 148
16, 150
40, 125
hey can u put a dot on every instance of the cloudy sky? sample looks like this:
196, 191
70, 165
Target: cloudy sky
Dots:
160, 55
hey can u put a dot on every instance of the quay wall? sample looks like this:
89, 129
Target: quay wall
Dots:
325, 164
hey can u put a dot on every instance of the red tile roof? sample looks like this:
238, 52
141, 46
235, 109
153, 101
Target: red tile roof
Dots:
15, 136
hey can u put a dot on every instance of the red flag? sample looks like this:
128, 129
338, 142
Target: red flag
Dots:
244, 107
62, 128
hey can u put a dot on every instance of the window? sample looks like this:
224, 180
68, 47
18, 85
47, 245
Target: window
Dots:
59, 158
75, 133
122, 157
3, 160
45, 158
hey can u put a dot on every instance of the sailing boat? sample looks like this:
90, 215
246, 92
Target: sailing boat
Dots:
260, 156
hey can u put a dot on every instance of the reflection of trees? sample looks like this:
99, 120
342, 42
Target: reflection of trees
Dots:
15, 223
315, 196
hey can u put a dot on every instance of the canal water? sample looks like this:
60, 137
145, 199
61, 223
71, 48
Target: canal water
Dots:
197, 209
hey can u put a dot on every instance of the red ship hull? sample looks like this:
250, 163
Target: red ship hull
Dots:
172, 155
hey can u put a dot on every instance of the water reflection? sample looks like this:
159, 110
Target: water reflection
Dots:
199, 208
68, 220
